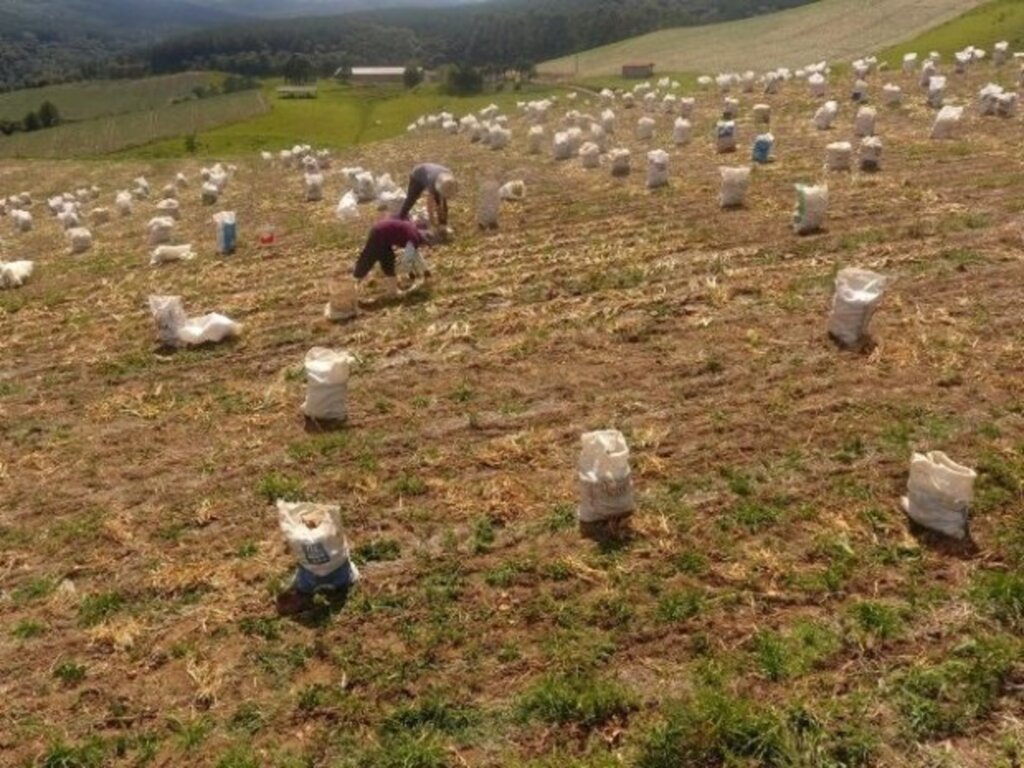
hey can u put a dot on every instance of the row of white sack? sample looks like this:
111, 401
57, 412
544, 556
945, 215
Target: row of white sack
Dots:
939, 491
939, 494
348, 207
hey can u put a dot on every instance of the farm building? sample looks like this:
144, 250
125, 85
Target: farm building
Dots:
377, 75
637, 71
297, 91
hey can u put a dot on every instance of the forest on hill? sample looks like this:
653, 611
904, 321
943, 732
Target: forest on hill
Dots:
54, 41
501, 34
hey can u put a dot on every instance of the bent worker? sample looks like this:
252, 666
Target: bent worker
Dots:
384, 237
440, 185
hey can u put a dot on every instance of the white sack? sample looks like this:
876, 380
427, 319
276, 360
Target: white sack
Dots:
327, 373
939, 493
857, 296
605, 479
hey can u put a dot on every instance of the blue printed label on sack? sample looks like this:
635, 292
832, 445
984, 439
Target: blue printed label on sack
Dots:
315, 554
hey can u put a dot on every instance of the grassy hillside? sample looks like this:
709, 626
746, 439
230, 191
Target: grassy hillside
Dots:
89, 100
832, 29
990, 23
341, 116
111, 134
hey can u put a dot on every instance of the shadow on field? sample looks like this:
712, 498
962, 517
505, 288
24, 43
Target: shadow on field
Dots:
311, 611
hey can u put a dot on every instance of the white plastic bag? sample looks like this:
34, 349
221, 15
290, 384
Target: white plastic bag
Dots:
839, 156
124, 203
14, 274
606, 483
22, 221
871, 154
893, 95
327, 373
762, 114
561, 146
412, 263
169, 315
825, 115
514, 191
160, 230
608, 121
209, 193
730, 109
80, 238
314, 187
68, 218
657, 168
936, 92
811, 207
365, 187
211, 328
681, 131
735, 182
939, 493
947, 122
817, 85
348, 207
857, 296
619, 162
169, 207
864, 125
725, 137
489, 204
590, 155
645, 129
314, 536
343, 301
909, 63
164, 254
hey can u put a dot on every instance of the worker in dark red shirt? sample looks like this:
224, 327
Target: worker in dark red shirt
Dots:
385, 236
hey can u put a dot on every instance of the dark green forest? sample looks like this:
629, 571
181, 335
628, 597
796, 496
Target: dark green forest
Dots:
500, 34
503, 34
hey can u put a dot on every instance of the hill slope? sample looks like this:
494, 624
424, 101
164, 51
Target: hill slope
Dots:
834, 29
107, 16
983, 26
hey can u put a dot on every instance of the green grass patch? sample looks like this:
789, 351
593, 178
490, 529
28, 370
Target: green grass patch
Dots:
274, 485
943, 700
69, 673
1000, 595
584, 700
714, 729
983, 27
26, 629
795, 651
341, 116
95, 609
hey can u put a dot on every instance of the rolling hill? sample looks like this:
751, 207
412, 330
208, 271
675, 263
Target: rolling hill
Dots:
833, 29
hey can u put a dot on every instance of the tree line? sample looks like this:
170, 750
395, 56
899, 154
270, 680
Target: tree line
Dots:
47, 116
505, 35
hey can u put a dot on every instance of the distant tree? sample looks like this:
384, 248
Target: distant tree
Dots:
7, 127
235, 83
344, 69
298, 70
463, 80
49, 115
526, 70
412, 76
31, 122
191, 144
